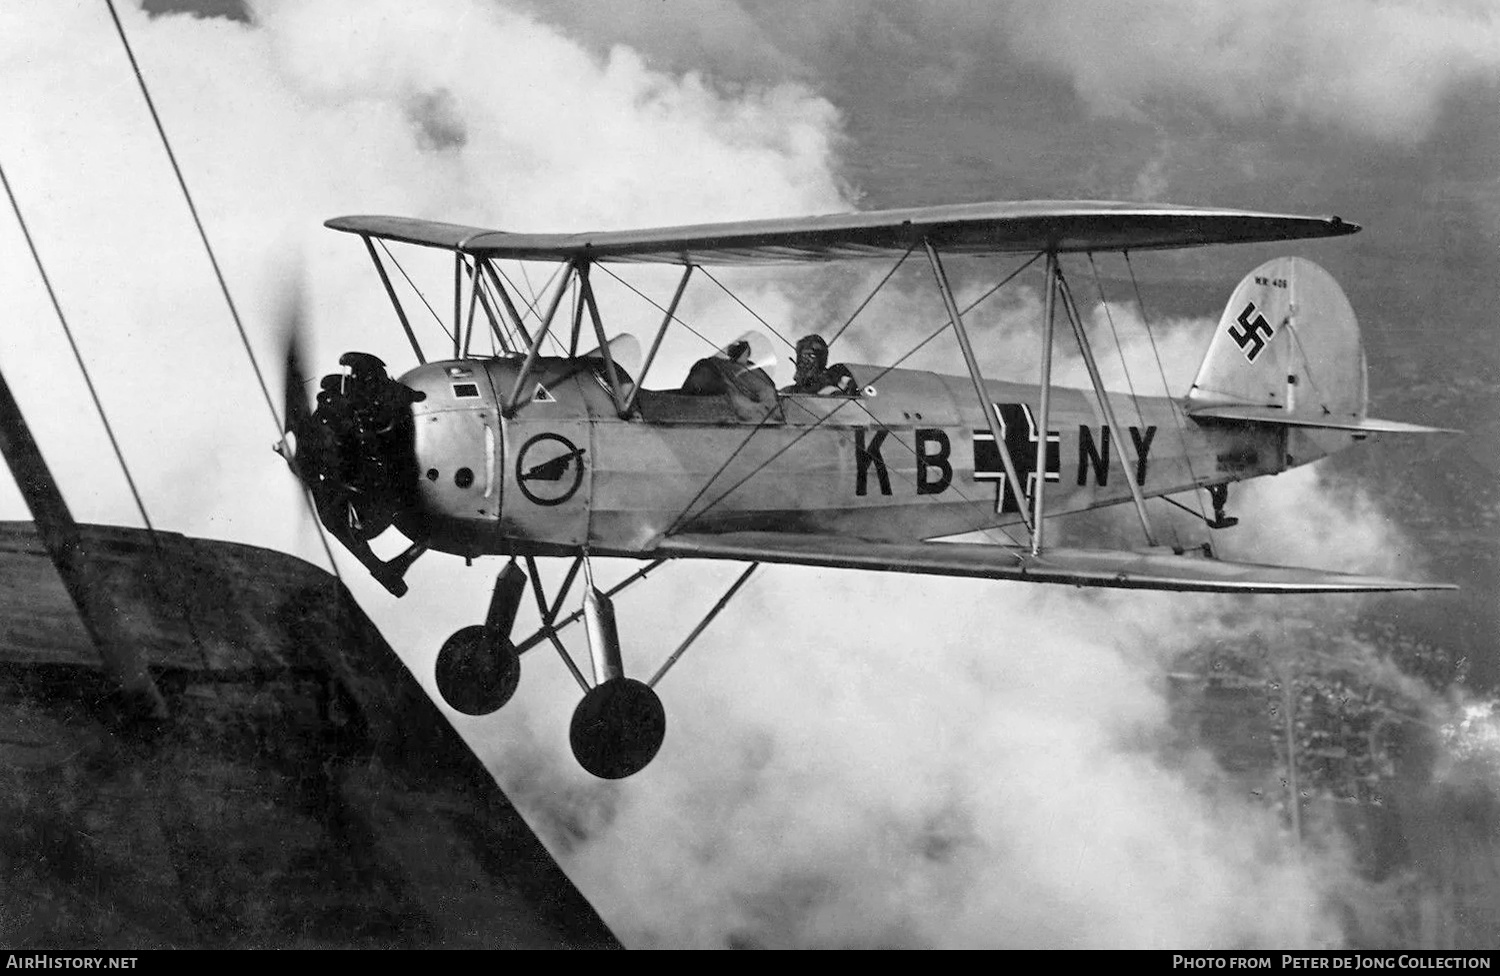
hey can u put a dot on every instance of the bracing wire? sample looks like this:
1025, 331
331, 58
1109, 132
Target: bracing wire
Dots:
1135, 400
1161, 371
435, 316
873, 292
985, 529
877, 378
526, 277
531, 302
239, 325
109, 429
197, 222
482, 282
1109, 317
747, 308
709, 481
657, 305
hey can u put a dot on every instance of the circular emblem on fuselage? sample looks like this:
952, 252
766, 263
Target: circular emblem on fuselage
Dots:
549, 469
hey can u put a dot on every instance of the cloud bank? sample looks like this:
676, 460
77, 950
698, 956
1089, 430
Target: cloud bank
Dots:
1381, 69
1376, 68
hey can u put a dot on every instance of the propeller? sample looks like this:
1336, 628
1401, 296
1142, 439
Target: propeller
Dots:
352, 448
295, 412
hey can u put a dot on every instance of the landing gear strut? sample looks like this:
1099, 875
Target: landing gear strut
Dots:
1219, 495
619, 725
478, 667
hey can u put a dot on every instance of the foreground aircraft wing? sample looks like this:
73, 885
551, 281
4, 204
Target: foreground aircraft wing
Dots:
1082, 567
972, 228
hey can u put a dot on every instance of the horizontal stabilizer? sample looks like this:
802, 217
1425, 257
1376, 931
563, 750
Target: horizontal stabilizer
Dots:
1275, 415
1080, 567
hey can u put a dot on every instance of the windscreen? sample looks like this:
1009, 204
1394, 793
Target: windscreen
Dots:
753, 349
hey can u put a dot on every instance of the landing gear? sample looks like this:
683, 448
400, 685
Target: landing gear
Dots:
618, 728
620, 724
478, 668
1219, 495
477, 676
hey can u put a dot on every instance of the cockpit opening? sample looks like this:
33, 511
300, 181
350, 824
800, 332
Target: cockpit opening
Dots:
736, 370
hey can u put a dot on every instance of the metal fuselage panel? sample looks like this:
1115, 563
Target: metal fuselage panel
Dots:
910, 458
460, 453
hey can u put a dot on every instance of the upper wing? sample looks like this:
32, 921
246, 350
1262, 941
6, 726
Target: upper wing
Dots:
1081, 567
974, 228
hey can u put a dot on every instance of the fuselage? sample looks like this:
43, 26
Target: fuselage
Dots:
910, 457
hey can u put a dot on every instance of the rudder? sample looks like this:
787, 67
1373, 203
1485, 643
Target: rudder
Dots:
1288, 344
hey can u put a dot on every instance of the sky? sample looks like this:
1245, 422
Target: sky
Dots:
851, 759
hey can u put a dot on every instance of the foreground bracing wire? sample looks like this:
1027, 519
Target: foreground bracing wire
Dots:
260, 379
114, 442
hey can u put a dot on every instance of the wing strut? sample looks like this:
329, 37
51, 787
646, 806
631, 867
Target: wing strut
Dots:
536, 344
467, 332
577, 313
1127, 448
1038, 517
671, 313
586, 291
390, 292
510, 306
551, 626
703, 624
489, 312
991, 419
550, 615
458, 305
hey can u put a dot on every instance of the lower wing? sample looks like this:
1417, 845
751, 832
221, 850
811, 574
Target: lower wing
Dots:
1149, 570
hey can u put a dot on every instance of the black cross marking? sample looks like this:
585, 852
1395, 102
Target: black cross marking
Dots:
1018, 427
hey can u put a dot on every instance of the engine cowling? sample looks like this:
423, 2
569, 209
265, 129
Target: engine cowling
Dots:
354, 452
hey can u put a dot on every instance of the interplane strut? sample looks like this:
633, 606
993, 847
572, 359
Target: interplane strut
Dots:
991, 418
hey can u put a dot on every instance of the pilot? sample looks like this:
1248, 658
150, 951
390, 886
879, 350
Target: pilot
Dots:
814, 375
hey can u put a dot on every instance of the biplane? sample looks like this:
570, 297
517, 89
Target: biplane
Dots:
524, 454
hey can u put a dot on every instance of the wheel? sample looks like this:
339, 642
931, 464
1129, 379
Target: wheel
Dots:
617, 728
474, 676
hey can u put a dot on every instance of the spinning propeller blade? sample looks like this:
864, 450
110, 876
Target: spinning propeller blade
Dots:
296, 411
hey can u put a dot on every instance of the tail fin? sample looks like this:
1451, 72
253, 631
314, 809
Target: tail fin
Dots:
1287, 351
1287, 344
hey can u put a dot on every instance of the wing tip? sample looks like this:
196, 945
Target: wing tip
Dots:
1338, 226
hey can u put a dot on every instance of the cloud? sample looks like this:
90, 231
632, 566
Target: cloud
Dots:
870, 761
1381, 69
1376, 68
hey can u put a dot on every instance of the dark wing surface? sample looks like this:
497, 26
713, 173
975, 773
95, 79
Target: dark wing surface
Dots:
971, 228
1080, 567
